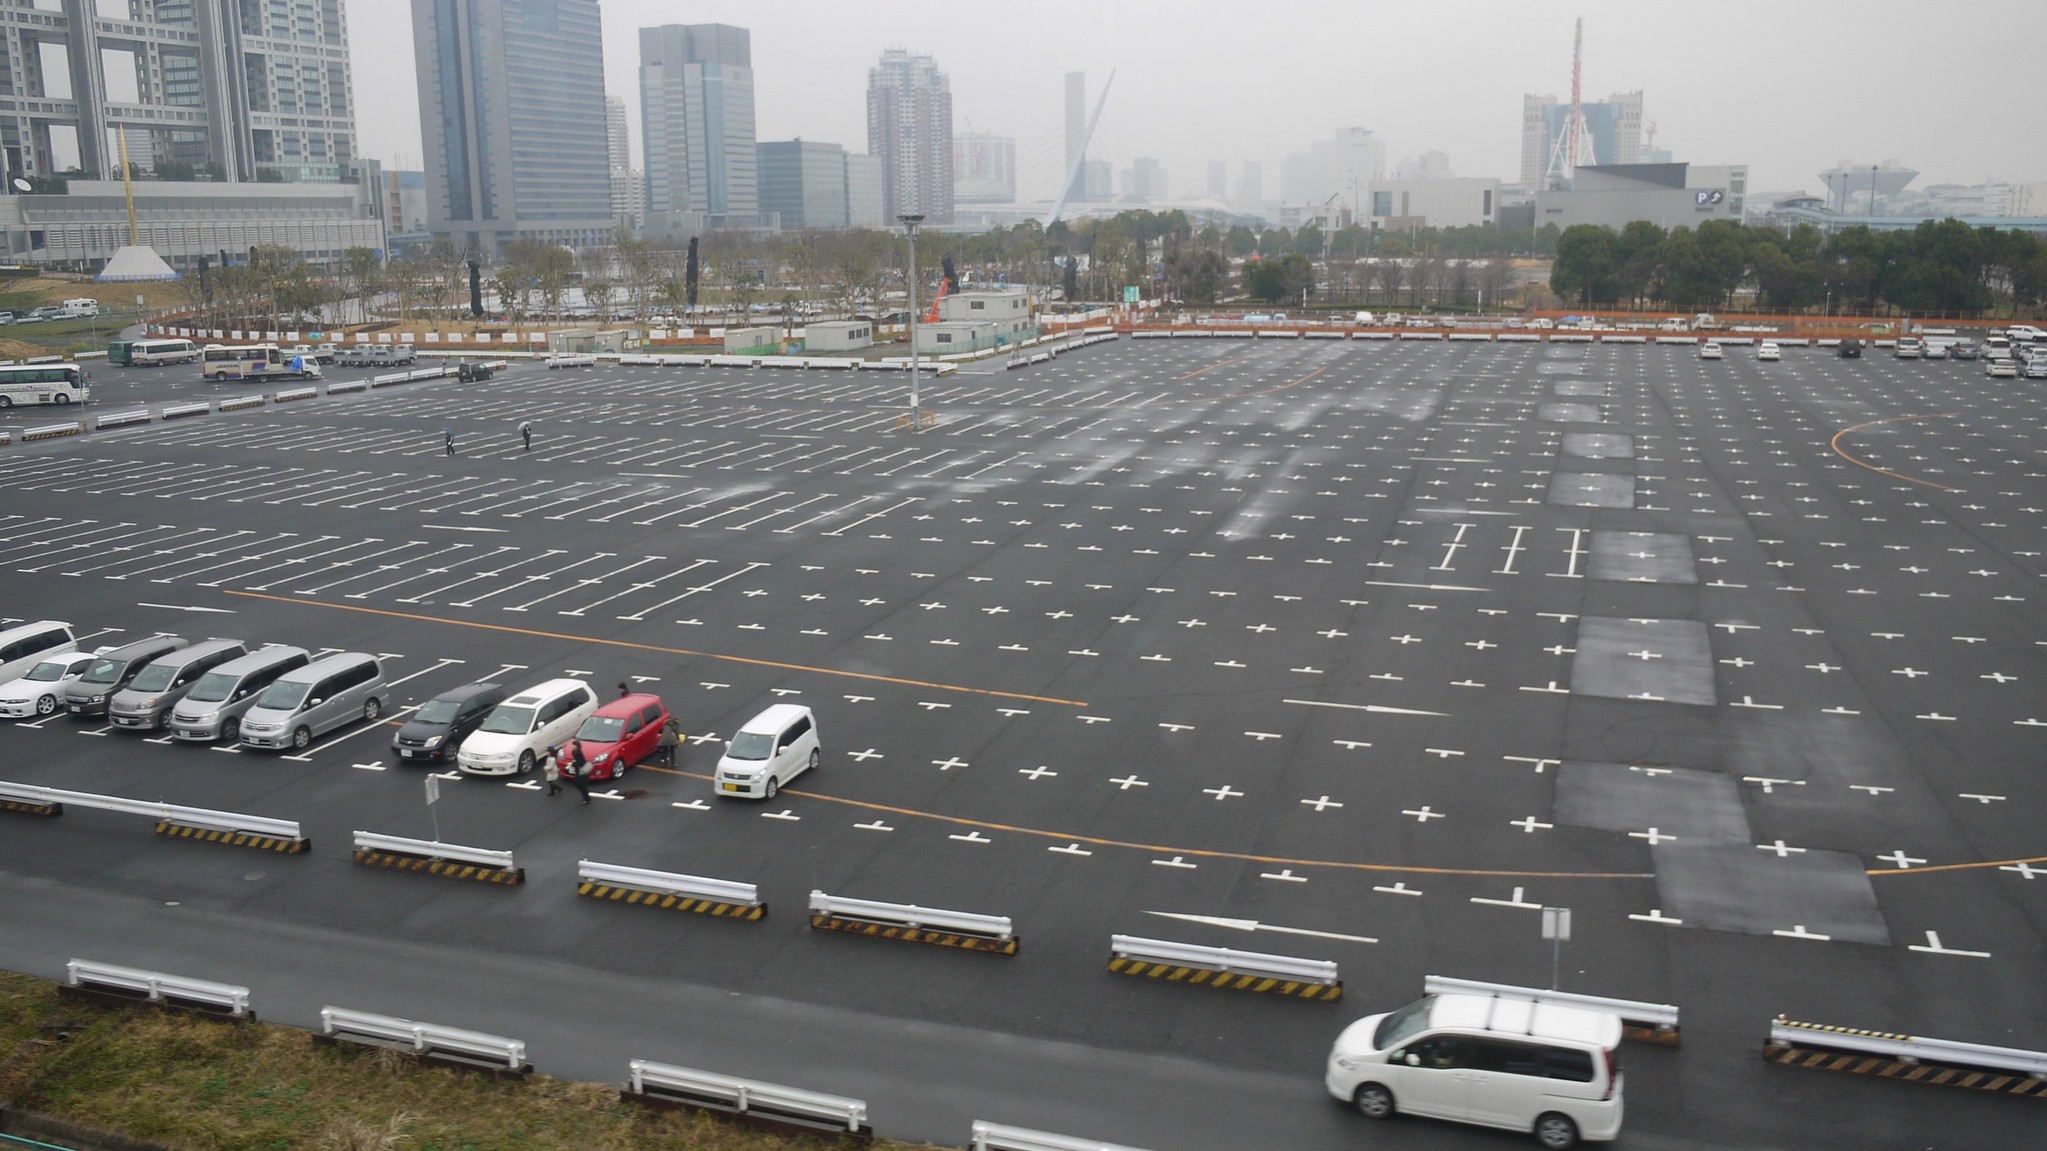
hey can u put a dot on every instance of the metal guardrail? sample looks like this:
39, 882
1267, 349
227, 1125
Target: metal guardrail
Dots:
572, 360
1224, 959
290, 394
180, 411
664, 1082
429, 1039
229, 821
910, 915
670, 883
158, 987
348, 386
238, 405
995, 1137
52, 431
433, 849
122, 419
1909, 1048
1654, 1017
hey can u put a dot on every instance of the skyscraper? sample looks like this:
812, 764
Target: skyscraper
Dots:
1251, 187
909, 125
1218, 179
696, 97
247, 90
983, 168
618, 142
1145, 182
1612, 135
1360, 160
804, 183
511, 98
628, 187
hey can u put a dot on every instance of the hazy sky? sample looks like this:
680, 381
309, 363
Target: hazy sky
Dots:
1788, 87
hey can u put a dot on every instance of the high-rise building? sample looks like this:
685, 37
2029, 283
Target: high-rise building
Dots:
1427, 166
1358, 162
983, 168
511, 98
865, 207
628, 186
804, 183
1309, 177
1251, 187
1218, 179
1611, 134
1096, 186
1145, 182
696, 100
247, 90
909, 125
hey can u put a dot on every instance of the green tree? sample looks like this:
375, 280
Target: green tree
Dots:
1586, 266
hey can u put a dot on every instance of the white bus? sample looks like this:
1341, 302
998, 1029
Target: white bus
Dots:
255, 362
153, 353
43, 384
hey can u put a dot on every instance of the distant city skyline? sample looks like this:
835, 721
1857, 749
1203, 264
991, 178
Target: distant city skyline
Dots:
1787, 90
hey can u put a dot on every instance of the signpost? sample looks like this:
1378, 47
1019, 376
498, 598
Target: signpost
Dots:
1556, 927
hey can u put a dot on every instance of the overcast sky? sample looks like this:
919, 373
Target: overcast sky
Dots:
1789, 87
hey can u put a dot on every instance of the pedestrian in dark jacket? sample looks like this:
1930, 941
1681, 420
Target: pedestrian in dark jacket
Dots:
526, 433
448, 440
579, 769
550, 767
671, 738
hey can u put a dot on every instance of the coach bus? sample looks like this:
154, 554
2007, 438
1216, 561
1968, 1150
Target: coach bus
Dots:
23, 384
255, 362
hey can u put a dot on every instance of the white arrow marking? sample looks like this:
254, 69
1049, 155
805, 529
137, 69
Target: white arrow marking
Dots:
1254, 925
183, 607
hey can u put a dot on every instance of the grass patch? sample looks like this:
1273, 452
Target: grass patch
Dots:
198, 1084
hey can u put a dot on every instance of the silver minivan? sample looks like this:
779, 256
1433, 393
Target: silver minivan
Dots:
88, 694
314, 700
146, 703
213, 708
24, 646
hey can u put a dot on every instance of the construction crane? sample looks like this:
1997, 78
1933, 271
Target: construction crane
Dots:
1563, 154
949, 284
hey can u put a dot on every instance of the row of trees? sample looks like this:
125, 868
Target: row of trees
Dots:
1943, 267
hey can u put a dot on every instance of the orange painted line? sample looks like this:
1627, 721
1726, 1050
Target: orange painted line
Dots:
1211, 367
683, 651
1983, 865
1835, 444
1199, 852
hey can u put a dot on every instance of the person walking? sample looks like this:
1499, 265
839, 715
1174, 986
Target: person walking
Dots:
526, 433
550, 767
448, 439
623, 690
579, 769
671, 738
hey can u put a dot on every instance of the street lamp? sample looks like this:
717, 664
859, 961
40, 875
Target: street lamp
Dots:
910, 220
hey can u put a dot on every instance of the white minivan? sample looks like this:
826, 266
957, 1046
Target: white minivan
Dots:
520, 730
770, 749
1490, 1060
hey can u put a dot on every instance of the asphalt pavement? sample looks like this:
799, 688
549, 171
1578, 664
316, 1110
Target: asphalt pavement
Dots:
1340, 650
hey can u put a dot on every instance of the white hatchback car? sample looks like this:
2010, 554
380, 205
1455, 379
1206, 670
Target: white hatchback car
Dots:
1542, 1068
41, 691
769, 750
520, 730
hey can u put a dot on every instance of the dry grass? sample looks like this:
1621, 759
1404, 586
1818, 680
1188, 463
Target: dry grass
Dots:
202, 1085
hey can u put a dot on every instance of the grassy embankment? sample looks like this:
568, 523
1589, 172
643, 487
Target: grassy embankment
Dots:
186, 1082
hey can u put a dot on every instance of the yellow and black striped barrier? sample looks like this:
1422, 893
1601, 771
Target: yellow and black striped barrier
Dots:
31, 806
280, 843
1227, 980
1908, 1058
670, 901
449, 868
907, 933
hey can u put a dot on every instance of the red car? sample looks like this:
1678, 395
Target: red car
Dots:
621, 734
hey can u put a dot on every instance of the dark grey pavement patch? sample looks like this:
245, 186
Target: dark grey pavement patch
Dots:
1736, 887
1692, 806
1599, 445
1643, 557
1651, 659
1570, 413
1591, 490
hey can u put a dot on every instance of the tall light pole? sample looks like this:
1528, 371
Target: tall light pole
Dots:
910, 220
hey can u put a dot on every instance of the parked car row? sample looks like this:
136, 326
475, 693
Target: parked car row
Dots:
277, 697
